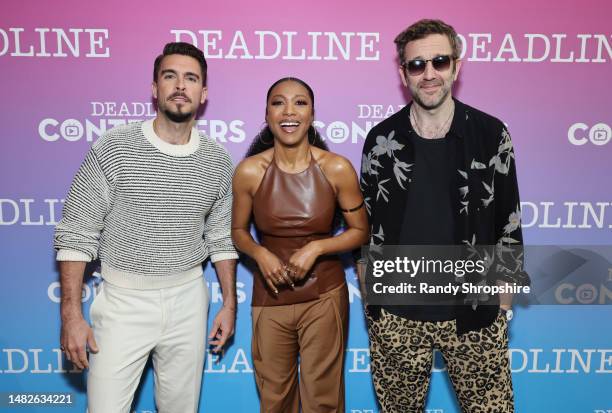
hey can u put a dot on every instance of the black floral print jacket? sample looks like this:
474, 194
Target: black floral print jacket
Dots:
487, 206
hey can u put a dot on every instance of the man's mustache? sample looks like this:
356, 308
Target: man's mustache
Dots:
178, 94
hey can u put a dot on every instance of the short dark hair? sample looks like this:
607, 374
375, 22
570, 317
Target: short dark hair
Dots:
424, 28
185, 49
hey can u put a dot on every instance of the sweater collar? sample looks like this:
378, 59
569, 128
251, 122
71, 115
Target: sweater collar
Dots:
169, 149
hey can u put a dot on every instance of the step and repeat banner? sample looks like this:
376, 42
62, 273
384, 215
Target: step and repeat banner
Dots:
72, 70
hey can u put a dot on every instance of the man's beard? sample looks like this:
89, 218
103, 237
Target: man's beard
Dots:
177, 117
447, 86
416, 98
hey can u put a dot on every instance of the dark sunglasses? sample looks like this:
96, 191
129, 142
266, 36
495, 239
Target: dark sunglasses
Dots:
417, 66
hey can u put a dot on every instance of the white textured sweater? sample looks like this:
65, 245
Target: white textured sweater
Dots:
151, 211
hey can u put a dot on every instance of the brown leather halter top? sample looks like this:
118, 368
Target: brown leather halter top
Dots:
290, 210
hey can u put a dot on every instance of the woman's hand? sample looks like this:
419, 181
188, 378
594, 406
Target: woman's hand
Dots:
303, 259
272, 269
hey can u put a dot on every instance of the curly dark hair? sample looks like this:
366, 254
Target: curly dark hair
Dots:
265, 139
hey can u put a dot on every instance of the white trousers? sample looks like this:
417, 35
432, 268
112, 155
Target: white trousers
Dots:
129, 325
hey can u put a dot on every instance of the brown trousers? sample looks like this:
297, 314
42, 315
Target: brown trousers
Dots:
314, 332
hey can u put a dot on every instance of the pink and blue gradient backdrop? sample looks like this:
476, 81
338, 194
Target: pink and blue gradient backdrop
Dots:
539, 101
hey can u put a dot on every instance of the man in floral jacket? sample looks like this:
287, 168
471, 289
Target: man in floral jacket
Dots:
440, 172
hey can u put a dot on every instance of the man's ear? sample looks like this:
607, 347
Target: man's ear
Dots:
204, 95
458, 63
154, 89
402, 73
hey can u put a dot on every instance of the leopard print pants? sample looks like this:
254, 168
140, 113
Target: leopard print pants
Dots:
477, 363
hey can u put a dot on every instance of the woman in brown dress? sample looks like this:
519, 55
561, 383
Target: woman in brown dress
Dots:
292, 186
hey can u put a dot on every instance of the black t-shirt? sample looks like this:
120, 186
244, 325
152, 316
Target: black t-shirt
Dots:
428, 218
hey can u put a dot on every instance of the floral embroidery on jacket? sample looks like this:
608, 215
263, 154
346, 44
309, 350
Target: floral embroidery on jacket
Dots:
488, 206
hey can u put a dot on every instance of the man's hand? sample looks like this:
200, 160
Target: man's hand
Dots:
76, 334
505, 299
222, 328
76, 337
360, 269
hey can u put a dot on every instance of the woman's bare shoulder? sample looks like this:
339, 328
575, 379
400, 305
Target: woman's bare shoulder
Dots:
250, 171
333, 165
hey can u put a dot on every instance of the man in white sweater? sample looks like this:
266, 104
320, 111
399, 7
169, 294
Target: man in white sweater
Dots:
152, 201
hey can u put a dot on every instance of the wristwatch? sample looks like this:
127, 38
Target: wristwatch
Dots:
509, 314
